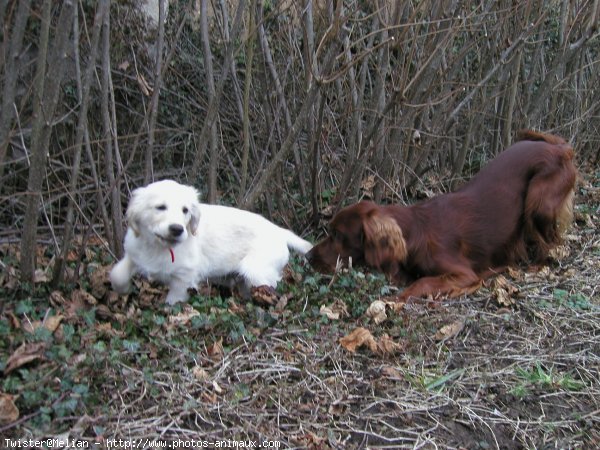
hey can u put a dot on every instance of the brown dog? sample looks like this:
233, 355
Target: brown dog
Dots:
514, 210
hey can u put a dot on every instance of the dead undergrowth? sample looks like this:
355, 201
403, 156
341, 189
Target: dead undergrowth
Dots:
515, 366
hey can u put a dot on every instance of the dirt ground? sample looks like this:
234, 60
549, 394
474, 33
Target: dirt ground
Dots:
516, 365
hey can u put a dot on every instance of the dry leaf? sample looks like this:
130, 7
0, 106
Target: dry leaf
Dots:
539, 273
103, 312
449, 331
282, 302
132, 312
327, 212
99, 282
73, 307
359, 337
30, 327
386, 346
146, 298
14, 322
112, 298
75, 360
264, 295
149, 292
153, 353
367, 185
51, 323
235, 308
376, 311
151, 288
218, 389
291, 277
337, 408
40, 276
9, 278
560, 252
8, 410
23, 355
394, 304
200, 374
503, 298
57, 299
391, 372
336, 310
184, 317
503, 291
210, 398
312, 441
106, 329
80, 296
515, 274
255, 330
328, 312
215, 351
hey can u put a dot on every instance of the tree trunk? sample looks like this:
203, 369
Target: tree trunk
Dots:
149, 166
210, 86
84, 96
11, 70
111, 153
45, 100
213, 106
250, 43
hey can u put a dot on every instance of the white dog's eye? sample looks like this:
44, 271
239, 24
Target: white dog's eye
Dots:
185, 210
162, 207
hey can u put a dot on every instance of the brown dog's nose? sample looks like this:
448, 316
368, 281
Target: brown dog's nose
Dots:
310, 255
175, 230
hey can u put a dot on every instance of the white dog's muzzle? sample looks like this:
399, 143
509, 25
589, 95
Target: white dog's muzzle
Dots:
175, 234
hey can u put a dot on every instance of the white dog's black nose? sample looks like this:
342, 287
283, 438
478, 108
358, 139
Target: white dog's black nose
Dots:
175, 230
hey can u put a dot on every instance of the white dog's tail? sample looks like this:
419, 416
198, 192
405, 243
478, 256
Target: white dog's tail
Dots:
297, 243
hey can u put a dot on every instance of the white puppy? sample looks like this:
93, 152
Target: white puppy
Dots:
180, 242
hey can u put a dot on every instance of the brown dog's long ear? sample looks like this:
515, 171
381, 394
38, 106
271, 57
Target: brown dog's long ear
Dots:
385, 246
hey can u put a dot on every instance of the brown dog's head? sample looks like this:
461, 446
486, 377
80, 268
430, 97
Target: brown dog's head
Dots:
363, 233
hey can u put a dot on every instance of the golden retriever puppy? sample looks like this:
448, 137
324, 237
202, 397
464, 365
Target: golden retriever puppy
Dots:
180, 242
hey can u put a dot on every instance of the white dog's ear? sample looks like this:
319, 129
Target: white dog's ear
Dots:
194, 218
134, 210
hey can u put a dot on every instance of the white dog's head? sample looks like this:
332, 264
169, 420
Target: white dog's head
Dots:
165, 211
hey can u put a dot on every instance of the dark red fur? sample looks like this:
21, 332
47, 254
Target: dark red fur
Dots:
513, 211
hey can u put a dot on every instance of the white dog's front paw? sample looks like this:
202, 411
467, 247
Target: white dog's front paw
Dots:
120, 277
177, 294
122, 288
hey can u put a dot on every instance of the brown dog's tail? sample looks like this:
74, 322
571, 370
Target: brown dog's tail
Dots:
530, 135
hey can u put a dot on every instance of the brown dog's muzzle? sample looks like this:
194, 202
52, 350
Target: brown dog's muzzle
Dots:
318, 257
